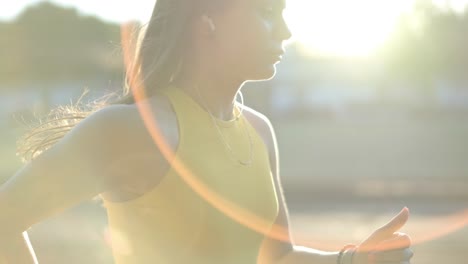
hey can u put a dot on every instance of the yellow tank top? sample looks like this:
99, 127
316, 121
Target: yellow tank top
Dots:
171, 223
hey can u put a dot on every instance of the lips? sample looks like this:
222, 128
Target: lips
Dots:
278, 56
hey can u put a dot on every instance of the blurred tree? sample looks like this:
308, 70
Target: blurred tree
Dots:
47, 43
429, 43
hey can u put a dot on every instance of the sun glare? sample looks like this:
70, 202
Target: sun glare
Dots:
343, 27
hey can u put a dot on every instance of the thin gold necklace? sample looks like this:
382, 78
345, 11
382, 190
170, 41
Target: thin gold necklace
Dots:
220, 134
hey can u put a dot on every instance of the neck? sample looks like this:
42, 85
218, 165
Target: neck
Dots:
217, 91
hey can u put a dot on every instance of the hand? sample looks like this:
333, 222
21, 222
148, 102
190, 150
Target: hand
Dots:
386, 245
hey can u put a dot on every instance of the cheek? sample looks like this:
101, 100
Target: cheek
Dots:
247, 43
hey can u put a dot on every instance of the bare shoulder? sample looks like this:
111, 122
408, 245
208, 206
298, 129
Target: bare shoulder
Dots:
117, 144
98, 125
107, 129
123, 126
109, 152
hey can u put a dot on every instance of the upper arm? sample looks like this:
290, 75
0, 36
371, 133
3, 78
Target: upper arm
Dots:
273, 248
69, 172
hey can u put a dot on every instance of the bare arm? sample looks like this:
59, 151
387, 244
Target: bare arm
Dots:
385, 244
71, 171
283, 251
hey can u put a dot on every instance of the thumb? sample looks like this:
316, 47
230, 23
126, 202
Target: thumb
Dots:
387, 230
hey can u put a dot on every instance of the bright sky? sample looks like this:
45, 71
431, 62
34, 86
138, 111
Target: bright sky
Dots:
337, 27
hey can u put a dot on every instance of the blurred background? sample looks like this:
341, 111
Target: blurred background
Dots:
370, 106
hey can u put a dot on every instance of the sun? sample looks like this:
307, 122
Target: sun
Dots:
343, 27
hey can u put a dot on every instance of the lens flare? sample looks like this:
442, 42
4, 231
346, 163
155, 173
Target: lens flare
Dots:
438, 227
446, 225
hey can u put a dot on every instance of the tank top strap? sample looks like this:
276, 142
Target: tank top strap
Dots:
184, 108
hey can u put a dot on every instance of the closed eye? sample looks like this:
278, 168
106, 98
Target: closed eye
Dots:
271, 11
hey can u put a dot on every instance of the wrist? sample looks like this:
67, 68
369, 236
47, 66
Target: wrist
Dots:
348, 256
345, 256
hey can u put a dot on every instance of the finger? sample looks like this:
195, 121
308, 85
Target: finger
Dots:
395, 224
398, 241
391, 256
387, 230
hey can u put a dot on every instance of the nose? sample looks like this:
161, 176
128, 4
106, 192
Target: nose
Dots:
284, 32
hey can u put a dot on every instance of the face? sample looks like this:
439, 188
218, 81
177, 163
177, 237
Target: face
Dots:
249, 37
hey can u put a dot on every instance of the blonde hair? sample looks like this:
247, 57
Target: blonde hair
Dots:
153, 59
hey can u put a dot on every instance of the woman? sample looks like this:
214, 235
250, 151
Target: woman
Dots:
209, 192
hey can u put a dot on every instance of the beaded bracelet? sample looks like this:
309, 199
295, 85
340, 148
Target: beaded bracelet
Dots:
342, 251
